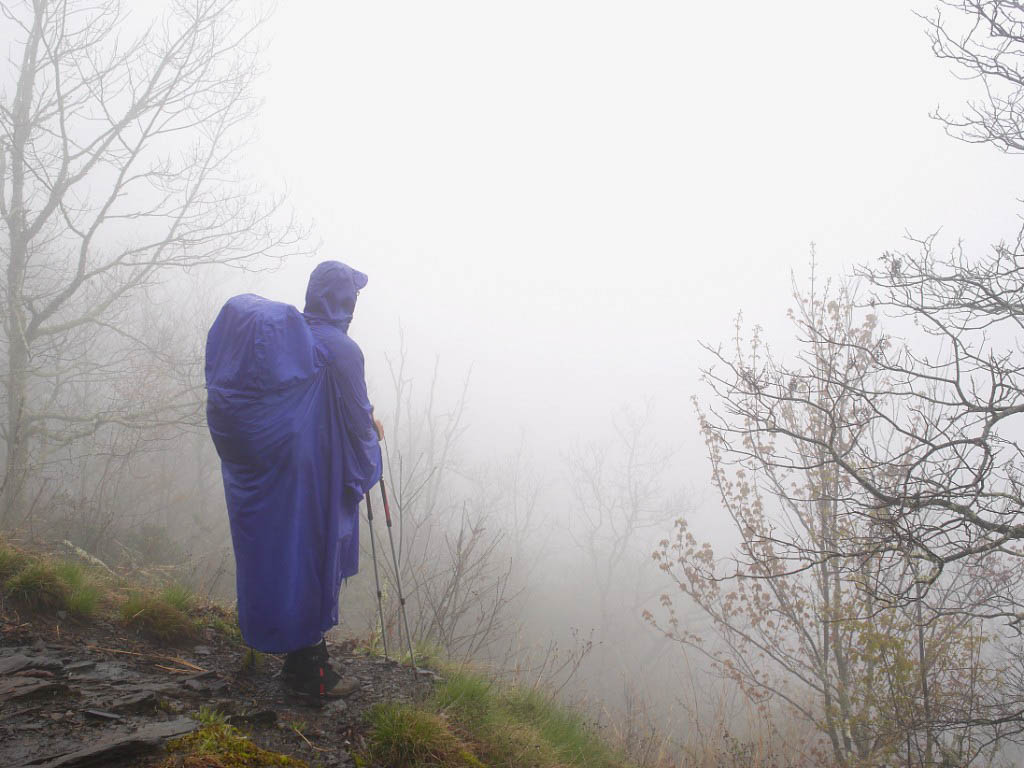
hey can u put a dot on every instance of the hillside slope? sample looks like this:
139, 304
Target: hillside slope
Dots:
94, 673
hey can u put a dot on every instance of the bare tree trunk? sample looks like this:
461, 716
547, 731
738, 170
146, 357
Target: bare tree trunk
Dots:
15, 216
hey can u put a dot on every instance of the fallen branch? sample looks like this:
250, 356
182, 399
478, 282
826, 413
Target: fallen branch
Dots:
192, 667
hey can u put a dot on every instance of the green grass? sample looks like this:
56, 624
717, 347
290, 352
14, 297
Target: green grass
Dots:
37, 582
405, 736
179, 596
210, 716
84, 601
222, 620
471, 721
565, 730
469, 698
84, 591
40, 583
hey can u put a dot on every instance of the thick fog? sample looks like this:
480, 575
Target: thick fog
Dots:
567, 196
557, 205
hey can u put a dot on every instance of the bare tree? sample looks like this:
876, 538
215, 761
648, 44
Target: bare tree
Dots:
984, 41
618, 495
456, 553
117, 164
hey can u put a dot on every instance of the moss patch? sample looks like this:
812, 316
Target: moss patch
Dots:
219, 745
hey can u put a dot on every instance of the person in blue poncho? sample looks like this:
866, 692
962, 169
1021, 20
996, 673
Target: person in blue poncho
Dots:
289, 415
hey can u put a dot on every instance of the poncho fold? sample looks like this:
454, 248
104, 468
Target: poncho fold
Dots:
289, 415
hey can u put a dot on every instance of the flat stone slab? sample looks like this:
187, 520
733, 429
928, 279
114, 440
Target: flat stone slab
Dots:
135, 702
119, 746
12, 665
13, 688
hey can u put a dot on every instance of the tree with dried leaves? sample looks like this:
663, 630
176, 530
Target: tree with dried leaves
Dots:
821, 610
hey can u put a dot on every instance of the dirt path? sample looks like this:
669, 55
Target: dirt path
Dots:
93, 695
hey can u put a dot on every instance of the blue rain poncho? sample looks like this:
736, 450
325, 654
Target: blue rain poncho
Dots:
288, 412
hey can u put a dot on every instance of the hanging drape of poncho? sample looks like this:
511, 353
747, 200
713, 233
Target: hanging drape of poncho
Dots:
290, 418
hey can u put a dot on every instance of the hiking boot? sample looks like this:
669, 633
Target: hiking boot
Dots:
308, 671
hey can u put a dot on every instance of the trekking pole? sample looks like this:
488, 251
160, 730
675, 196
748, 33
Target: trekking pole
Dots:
376, 577
398, 578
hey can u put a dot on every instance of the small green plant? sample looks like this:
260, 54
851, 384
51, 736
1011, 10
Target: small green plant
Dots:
226, 625
210, 716
252, 660
38, 587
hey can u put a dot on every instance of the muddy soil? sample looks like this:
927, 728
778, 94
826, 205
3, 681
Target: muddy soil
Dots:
96, 695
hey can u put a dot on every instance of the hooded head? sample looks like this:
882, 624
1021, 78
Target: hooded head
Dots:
331, 294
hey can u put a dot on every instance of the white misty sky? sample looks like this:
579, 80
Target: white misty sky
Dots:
569, 194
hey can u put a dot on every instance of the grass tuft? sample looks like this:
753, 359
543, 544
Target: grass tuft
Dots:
472, 721
83, 592
156, 617
566, 731
83, 601
407, 737
467, 697
11, 562
179, 596
38, 587
210, 716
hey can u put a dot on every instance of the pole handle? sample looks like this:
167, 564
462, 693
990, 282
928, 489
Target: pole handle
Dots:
384, 496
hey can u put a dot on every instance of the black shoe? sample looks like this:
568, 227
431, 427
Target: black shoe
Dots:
308, 671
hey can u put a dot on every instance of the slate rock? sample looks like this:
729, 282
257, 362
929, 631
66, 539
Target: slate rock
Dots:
119, 746
99, 714
266, 717
19, 662
14, 688
134, 702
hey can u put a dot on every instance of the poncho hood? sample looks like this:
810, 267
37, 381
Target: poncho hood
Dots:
331, 294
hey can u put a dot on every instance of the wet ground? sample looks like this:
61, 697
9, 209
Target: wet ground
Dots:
94, 695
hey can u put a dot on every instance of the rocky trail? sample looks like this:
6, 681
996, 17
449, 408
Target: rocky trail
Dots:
96, 695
